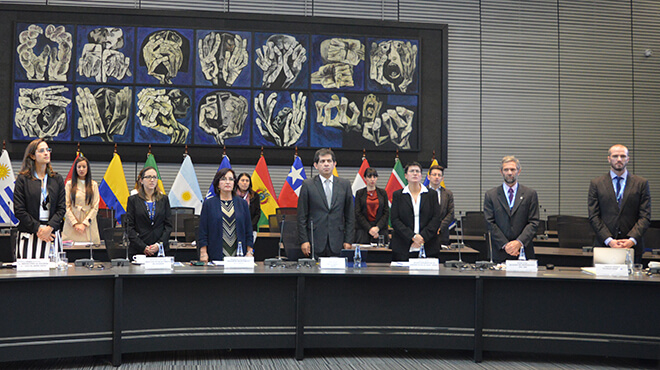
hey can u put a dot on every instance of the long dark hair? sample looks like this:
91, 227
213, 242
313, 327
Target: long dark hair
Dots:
29, 164
89, 192
140, 188
249, 189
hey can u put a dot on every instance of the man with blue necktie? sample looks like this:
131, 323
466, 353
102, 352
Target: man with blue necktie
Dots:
512, 214
620, 205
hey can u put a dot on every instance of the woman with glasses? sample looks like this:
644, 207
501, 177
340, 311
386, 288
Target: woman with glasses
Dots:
224, 222
372, 211
82, 204
148, 216
415, 217
39, 203
243, 188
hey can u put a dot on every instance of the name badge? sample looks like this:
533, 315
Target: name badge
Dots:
158, 263
332, 262
37, 264
522, 266
611, 270
424, 264
239, 262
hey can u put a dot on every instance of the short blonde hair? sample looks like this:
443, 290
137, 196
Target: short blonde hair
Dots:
510, 158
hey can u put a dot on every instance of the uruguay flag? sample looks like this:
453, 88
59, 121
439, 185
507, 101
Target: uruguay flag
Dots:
224, 164
113, 188
7, 190
185, 189
291, 189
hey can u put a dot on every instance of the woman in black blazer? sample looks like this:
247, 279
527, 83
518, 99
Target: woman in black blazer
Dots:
148, 214
372, 211
243, 189
407, 203
39, 203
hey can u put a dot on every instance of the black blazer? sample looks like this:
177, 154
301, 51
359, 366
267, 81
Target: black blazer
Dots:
141, 232
446, 213
255, 212
517, 223
27, 202
632, 219
362, 224
403, 222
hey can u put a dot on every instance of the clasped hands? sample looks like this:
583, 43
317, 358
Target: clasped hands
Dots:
513, 247
45, 233
418, 241
621, 243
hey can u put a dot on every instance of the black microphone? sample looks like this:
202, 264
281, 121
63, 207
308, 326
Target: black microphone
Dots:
273, 262
487, 264
311, 261
459, 243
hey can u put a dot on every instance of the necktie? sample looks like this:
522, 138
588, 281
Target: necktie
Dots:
510, 197
328, 192
618, 189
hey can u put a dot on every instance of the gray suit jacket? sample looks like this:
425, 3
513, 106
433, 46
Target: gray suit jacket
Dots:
519, 222
333, 226
630, 220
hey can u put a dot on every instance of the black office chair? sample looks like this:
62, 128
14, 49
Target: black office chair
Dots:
652, 238
190, 229
552, 222
290, 241
286, 213
114, 242
273, 224
574, 232
473, 223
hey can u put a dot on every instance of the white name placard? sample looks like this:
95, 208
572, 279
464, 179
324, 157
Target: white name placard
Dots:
37, 264
158, 263
522, 266
239, 262
611, 270
424, 264
332, 262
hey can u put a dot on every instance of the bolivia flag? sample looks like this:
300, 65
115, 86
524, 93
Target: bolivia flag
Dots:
262, 184
291, 188
359, 181
113, 188
397, 180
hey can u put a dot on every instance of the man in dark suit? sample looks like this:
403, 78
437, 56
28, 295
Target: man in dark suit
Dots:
446, 199
620, 205
328, 202
512, 214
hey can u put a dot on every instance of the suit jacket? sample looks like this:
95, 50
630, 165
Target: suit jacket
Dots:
628, 221
403, 223
255, 212
333, 225
446, 214
210, 226
517, 223
27, 202
141, 231
362, 224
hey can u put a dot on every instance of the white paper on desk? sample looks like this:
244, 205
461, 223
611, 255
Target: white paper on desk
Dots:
332, 262
158, 263
424, 264
35, 264
522, 266
607, 270
239, 262
83, 244
217, 263
400, 264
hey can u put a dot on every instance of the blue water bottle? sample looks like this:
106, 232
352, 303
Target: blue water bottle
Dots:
357, 257
422, 251
239, 250
161, 250
522, 256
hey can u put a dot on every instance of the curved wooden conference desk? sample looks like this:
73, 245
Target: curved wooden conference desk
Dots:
83, 312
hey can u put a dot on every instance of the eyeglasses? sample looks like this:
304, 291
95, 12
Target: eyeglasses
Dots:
231, 179
150, 177
42, 150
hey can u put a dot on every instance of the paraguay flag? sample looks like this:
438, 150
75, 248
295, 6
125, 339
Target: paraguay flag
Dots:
113, 188
291, 189
7, 190
224, 164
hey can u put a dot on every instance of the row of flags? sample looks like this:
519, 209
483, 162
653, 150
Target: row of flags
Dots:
185, 191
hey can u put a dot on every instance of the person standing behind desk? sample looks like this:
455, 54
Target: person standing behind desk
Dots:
620, 205
512, 214
415, 217
244, 190
148, 220
446, 199
224, 221
82, 205
372, 211
328, 202
39, 203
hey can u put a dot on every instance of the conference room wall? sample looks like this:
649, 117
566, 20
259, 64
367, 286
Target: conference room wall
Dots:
553, 82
